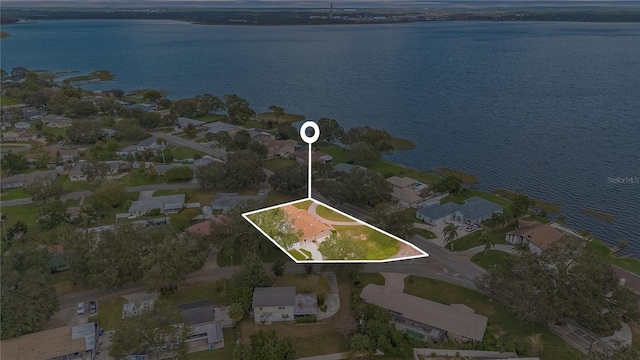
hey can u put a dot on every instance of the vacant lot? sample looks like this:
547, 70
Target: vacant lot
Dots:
379, 245
331, 215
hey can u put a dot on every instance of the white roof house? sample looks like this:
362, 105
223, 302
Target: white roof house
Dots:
166, 204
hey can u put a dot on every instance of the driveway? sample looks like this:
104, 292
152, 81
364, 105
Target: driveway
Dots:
313, 212
333, 298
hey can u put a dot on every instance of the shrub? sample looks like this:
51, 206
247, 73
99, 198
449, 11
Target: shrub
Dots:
322, 307
306, 319
320, 300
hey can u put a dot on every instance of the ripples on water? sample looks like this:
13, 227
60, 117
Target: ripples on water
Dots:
547, 108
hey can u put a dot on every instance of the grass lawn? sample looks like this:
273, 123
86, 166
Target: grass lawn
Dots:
305, 283
400, 144
272, 254
213, 117
6, 101
62, 282
472, 240
331, 215
183, 152
285, 118
98, 75
493, 257
323, 337
139, 177
277, 163
629, 263
538, 218
201, 196
425, 233
191, 293
225, 353
466, 178
540, 204
54, 131
461, 197
304, 205
306, 252
28, 213
13, 194
500, 319
72, 186
379, 245
297, 254
109, 313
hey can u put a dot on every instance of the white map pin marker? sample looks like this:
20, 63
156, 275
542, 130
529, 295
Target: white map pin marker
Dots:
316, 132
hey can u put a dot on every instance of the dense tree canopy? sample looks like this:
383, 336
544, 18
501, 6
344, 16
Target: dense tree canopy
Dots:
242, 170
341, 248
290, 180
278, 226
359, 187
330, 130
43, 190
379, 139
394, 220
85, 132
265, 345
13, 163
252, 274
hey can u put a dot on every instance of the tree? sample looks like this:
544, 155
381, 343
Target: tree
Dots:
243, 170
117, 93
238, 109
185, 107
27, 292
236, 312
150, 120
360, 344
379, 139
276, 110
109, 195
290, 180
83, 108
52, 214
130, 130
95, 170
323, 170
208, 103
154, 328
278, 226
265, 345
152, 95
364, 153
393, 219
337, 248
287, 131
450, 184
251, 275
450, 234
43, 190
520, 205
212, 175
278, 268
359, 187
487, 241
330, 130
85, 131
179, 173
190, 130
13, 163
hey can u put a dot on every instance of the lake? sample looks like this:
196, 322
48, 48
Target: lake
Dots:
550, 109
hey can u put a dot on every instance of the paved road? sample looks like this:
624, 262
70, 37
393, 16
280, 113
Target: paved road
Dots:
313, 212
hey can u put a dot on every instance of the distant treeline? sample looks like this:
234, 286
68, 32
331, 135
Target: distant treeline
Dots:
303, 17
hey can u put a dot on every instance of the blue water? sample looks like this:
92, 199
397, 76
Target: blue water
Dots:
551, 109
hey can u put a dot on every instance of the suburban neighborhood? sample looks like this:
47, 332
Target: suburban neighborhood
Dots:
132, 228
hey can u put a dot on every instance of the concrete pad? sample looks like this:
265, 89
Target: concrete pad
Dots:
394, 281
332, 300
623, 335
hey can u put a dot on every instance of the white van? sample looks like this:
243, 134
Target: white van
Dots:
80, 309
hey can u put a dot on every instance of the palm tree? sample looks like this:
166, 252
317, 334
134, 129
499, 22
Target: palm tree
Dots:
450, 234
487, 241
522, 247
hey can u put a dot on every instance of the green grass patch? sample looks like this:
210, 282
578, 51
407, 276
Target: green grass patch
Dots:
201, 196
492, 257
225, 353
183, 152
540, 204
212, 291
62, 283
271, 254
363, 279
28, 213
297, 254
284, 118
54, 131
601, 249
305, 283
13, 194
538, 218
379, 245
466, 178
304, 205
472, 240
98, 75
212, 118
277, 163
7, 101
73, 186
338, 154
109, 313
329, 214
425, 233
500, 319
400, 144
139, 177
599, 215
306, 252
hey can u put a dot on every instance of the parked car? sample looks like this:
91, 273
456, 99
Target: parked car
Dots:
80, 309
93, 307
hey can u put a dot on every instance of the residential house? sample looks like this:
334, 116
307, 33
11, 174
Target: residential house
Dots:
473, 211
536, 235
64, 343
146, 107
109, 132
302, 157
17, 135
201, 228
406, 191
203, 328
168, 204
56, 121
630, 280
425, 319
148, 144
21, 180
273, 304
76, 174
218, 126
161, 169
22, 125
131, 149
57, 260
344, 167
66, 155
30, 113
227, 201
278, 148
313, 230
182, 122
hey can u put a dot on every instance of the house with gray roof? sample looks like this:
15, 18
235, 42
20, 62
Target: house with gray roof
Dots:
218, 126
227, 201
184, 121
473, 211
56, 121
22, 125
22, 180
425, 319
150, 143
203, 327
274, 304
167, 204
344, 167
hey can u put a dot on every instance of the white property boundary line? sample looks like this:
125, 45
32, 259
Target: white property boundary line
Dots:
246, 216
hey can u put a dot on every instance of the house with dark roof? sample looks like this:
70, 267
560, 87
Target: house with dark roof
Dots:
148, 144
56, 121
278, 148
536, 235
57, 260
473, 211
203, 328
182, 122
226, 201
22, 180
302, 157
344, 167
273, 304
425, 319
167, 204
